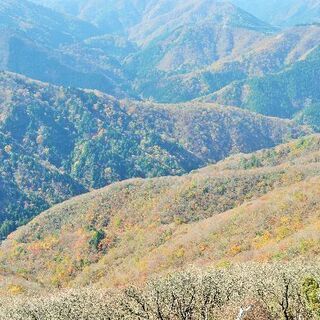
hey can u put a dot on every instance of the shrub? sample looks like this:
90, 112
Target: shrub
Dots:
246, 292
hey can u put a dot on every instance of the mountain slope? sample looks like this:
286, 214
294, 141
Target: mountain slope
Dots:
84, 139
34, 42
111, 16
161, 16
271, 54
129, 12
56, 67
185, 37
286, 12
217, 215
170, 53
170, 40
28, 186
284, 94
155, 49
47, 27
143, 19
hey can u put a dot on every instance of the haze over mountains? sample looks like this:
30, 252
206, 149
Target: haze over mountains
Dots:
154, 50
285, 12
195, 102
288, 93
127, 13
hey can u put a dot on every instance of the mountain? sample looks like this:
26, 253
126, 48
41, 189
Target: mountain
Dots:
289, 93
162, 40
110, 16
188, 36
40, 43
70, 140
28, 185
286, 12
216, 46
152, 49
38, 23
274, 53
271, 54
62, 68
161, 17
158, 159
140, 18
158, 51
258, 207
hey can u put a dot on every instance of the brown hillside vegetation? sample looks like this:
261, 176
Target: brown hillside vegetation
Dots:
58, 142
260, 207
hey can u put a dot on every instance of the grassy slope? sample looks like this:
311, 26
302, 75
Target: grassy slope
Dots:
260, 207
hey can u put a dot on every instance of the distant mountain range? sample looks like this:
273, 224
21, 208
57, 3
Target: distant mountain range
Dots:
118, 15
167, 53
284, 12
40, 43
287, 94
41, 24
266, 55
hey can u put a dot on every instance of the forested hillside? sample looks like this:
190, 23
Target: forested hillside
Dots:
260, 207
293, 92
58, 142
35, 42
159, 159
269, 55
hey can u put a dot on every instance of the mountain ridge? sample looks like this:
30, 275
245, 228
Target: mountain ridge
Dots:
278, 94
91, 139
197, 218
286, 13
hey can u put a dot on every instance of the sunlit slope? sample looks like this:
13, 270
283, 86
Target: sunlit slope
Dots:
260, 207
